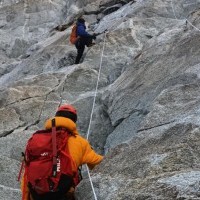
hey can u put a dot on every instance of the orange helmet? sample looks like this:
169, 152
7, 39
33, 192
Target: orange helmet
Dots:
67, 107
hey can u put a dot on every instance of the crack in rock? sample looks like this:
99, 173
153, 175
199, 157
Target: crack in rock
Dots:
145, 129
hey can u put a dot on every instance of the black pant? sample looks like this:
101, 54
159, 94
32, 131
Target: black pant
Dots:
80, 45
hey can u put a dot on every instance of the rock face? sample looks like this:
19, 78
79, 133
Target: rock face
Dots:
146, 112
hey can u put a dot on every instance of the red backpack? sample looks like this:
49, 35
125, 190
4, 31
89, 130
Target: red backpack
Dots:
48, 167
73, 35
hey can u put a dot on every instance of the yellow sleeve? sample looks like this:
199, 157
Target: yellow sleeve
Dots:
90, 157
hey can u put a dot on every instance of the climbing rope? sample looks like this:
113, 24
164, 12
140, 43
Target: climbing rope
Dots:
3, 187
173, 9
192, 25
88, 133
187, 21
95, 95
97, 84
62, 90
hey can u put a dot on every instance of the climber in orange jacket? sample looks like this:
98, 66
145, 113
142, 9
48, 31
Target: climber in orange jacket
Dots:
79, 148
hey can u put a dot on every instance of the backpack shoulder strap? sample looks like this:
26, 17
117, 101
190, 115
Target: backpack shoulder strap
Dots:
54, 147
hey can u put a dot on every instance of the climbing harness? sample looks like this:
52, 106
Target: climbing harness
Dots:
95, 95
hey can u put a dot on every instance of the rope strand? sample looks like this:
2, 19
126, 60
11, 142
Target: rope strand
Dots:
88, 132
96, 90
184, 19
91, 183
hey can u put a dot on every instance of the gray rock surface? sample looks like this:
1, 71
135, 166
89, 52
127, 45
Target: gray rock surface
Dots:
146, 109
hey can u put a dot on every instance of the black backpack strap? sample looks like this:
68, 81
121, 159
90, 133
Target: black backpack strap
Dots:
79, 173
22, 166
54, 147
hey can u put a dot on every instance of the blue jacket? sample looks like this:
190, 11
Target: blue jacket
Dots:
81, 30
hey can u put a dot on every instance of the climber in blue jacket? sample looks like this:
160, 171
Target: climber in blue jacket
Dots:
84, 39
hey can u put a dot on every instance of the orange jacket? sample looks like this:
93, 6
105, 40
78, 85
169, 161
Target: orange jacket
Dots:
79, 149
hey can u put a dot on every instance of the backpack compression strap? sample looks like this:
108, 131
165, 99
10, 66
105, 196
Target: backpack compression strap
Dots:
54, 147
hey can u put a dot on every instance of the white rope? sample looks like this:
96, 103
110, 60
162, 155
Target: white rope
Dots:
91, 183
27, 17
184, 19
192, 25
9, 188
88, 133
173, 9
